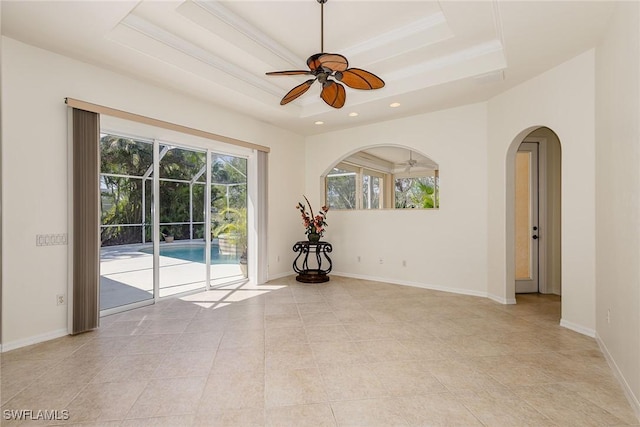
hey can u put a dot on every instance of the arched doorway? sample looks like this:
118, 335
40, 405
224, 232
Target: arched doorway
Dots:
533, 214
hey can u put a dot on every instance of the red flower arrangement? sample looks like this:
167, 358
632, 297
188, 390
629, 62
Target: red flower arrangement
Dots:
313, 224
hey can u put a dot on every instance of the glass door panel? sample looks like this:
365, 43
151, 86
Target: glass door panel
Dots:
126, 268
526, 218
181, 216
229, 244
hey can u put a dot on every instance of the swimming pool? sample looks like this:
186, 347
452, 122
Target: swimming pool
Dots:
193, 252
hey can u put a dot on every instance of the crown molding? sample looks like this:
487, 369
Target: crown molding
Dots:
216, 9
171, 40
458, 57
415, 27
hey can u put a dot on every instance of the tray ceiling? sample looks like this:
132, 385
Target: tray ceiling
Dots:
431, 54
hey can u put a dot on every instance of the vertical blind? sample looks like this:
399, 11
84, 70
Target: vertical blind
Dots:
85, 305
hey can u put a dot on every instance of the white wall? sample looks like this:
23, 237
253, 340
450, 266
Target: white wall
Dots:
443, 249
618, 194
563, 100
34, 173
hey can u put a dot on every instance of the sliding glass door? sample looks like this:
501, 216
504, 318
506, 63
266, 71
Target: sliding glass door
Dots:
182, 186
230, 246
126, 270
174, 220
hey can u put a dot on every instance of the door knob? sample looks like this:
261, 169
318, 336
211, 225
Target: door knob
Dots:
534, 237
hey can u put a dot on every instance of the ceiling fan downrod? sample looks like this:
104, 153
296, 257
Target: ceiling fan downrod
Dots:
322, 2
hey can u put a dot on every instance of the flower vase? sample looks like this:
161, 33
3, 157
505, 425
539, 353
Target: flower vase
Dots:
313, 237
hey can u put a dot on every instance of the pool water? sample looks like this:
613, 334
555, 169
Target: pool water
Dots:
194, 253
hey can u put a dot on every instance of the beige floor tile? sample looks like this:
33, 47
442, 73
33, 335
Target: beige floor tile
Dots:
171, 421
77, 370
294, 387
104, 346
338, 352
123, 328
406, 378
56, 349
370, 413
565, 407
25, 371
366, 331
430, 349
47, 396
607, 395
150, 344
231, 418
233, 360
169, 397
129, 368
438, 409
350, 382
104, 401
289, 356
203, 324
313, 415
313, 307
275, 337
281, 308
352, 315
185, 364
383, 350
248, 338
166, 326
239, 390
502, 408
319, 333
346, 352
282, 320
197, 341
319, 318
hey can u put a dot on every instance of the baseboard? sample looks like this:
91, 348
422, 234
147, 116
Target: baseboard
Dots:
578, 328
633, 399
34, 340
501, 300
414, 284
279, 275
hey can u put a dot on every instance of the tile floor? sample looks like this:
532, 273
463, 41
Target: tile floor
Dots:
347, 353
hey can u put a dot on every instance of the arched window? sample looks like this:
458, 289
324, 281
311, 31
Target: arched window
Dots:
383, 177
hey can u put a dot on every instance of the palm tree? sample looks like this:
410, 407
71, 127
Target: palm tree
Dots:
235, 230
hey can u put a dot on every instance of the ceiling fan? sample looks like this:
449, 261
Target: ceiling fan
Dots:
412, 163
328, 66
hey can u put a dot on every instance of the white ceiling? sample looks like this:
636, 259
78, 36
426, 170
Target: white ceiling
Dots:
431, 54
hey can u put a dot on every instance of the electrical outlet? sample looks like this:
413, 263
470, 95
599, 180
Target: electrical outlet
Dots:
404, 263
381, 261
60, 299
278, 258
359, 258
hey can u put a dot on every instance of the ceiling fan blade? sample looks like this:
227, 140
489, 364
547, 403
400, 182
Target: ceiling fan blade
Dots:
297, 91
357, 78
331, 61
333, 94
288, 73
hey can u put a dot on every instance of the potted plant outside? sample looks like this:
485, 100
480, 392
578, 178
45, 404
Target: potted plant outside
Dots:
167, 235
232, 235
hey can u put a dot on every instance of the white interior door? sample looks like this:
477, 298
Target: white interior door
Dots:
526, 218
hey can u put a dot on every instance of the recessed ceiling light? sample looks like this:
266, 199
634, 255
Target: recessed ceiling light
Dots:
354, 114
394, 104
319, 122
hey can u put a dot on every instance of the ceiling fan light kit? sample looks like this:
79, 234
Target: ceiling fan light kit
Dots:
325, 67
